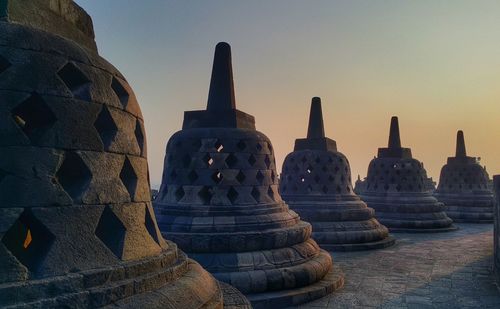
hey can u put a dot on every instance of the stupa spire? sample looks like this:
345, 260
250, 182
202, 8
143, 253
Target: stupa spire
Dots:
394, 138
460, 150
316, 128
221, 94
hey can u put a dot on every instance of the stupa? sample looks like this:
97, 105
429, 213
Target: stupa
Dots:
496, 231
316, 183
219, 201
396, 188
464, 187
77, 227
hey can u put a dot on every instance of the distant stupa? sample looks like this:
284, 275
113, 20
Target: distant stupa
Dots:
464, 187
316, 183
396, 187
77, 228
219, 201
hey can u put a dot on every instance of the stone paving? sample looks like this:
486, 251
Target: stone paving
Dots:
436, 270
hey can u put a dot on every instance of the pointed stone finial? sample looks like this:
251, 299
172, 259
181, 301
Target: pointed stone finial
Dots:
460, 150
359, 177
316, 128
221, 94
394, 138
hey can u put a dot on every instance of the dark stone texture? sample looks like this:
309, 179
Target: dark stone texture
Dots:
219, 201
463, 187
316, 182
397, 187
496, 233
77, 228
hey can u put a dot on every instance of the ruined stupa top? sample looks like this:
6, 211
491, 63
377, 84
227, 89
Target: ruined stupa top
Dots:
316, 139
394, 149
221, 109
61, 17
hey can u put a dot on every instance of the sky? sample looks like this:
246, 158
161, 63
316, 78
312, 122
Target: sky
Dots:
433, 63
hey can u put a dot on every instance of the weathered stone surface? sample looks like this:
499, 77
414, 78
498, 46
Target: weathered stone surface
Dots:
316, 182
219, 201
442, 271
496, 238
77, 228
463, 188
396, 187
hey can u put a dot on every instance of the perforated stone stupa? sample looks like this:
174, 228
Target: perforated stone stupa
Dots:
77, 228
464, 187
219, 201
396, 188
316, 183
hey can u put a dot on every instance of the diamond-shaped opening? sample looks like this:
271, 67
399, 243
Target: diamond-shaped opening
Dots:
217, 177
34, 117
197, 144
192, 176
240, 177
309, 188
317, 160
106, 127
231, 160
179, 194
317, 178
4, 64
267, 161
336, 169
208, 160
252, 160
205, 195
270, 147
139, 135
338, 189
28, 240
129, 178
325, 189
120, 92
232, 195
186, 160
218, 146
74, 175
151, 226
111, 231
270, 193
296, 168
304, 160
259, 177
241, 145
258, 147
76, 81
255, 194
173, 175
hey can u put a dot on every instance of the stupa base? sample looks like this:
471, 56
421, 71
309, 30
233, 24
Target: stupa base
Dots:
384, 243
423, 230
334, 280
470, 218
233, 299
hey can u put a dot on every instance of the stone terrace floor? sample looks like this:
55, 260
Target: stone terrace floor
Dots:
436, 270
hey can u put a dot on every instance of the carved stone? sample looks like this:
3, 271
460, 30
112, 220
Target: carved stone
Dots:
464, 187
496, 233
77, 228
219, 201
316, 183
396, 187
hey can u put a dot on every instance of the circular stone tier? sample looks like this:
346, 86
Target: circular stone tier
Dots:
463, 188
396, 188
77, 228
219, 201
316, 183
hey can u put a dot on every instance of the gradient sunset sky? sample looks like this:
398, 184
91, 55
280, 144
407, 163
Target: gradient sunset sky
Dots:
434, 64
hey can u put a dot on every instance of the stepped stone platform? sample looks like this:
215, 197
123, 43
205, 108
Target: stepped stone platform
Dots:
422, 271
396, 187
463, 187
77, 227
219, 202
316, 183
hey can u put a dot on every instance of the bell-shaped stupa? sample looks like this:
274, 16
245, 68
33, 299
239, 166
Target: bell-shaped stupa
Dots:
396, 188
219, 201
464, 187
316, 183
77, 227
